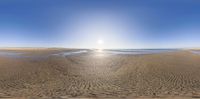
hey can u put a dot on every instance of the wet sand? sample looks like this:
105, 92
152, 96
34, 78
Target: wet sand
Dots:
98, 75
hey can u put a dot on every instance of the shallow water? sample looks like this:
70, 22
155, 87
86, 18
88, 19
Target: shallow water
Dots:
78, 52
21, 55
117, 51
73, 53
10, 54
138, 51
196, 52
68, 53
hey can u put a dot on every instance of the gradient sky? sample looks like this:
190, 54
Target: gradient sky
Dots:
81, 23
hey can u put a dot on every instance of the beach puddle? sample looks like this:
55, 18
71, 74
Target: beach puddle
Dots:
196, 52
21, 55
69, 53
10, 54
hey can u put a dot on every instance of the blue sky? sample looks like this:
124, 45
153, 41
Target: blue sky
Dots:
81, 23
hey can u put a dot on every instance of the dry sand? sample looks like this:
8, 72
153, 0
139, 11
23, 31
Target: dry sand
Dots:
97, 75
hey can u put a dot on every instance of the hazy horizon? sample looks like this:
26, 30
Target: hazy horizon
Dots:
96, 48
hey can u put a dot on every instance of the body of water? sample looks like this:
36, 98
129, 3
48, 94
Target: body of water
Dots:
138, 51
68, 53
78, 52
10, 54
196, 52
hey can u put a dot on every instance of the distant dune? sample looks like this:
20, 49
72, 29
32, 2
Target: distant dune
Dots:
174, 75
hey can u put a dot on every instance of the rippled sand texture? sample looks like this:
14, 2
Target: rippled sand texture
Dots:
97, 75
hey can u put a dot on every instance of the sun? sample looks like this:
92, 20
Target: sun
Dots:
100, 45
100, 42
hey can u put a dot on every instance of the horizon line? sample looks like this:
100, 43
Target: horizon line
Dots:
88, 48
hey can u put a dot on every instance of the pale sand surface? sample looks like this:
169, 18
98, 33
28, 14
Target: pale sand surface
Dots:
172, 75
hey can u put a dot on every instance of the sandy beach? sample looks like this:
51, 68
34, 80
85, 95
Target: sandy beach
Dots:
94, 74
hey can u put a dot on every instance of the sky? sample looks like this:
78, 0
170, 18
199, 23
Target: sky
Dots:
113, 23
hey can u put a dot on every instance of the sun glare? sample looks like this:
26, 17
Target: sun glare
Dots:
100, 42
